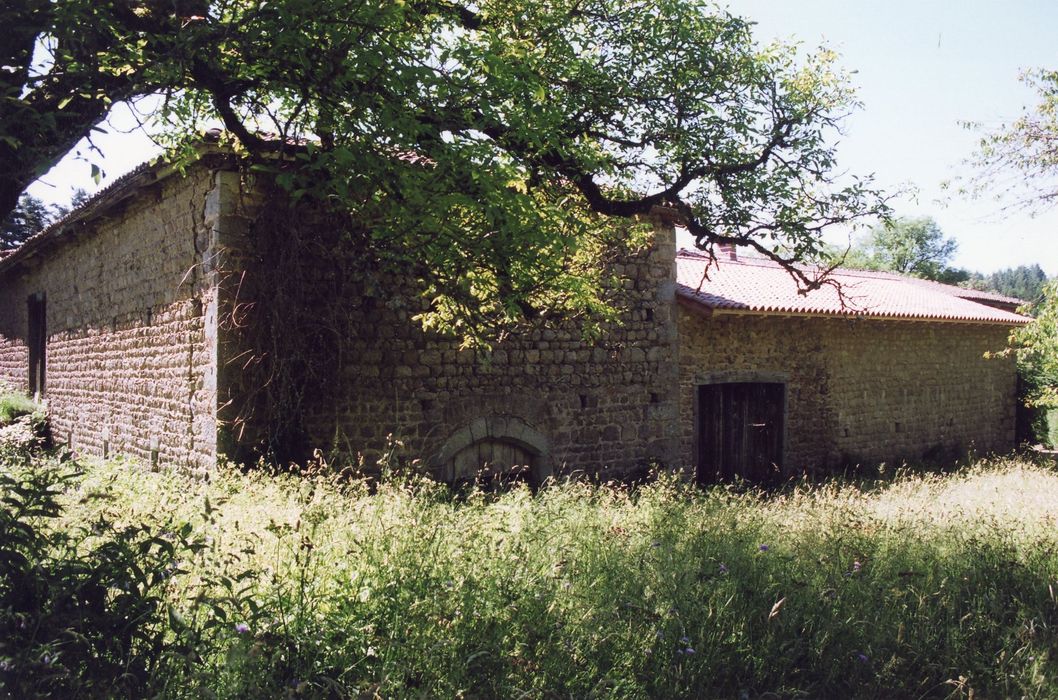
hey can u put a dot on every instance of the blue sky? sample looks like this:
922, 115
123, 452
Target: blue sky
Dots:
920, 67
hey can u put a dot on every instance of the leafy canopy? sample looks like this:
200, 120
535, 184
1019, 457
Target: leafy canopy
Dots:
30, 216
482, 145
1035, 346
1017, 163
1024, 282
911, 246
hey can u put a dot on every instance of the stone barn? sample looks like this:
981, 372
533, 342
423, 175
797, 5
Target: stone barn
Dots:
874, 367
165, 319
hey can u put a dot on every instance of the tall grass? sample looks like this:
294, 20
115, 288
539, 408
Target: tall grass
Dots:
919, 586
14, 405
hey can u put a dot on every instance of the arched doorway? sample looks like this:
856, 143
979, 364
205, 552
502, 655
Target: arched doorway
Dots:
494, 450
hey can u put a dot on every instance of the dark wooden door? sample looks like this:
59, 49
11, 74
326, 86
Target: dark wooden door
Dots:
740, 431
37, 340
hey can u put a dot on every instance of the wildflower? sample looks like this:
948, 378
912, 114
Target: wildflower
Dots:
863, 657
723, 568
684, 641
856, 566
242, 628
688, 651
764, 548
47, 660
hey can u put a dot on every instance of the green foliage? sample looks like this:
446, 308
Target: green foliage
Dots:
29, 217
484, 147
1036, 347
81, 606
23, 427
1017, 163
911, 246
14, 405
922, 586
1023, 282
1050, 428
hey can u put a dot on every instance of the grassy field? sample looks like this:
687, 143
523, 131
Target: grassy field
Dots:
283, 586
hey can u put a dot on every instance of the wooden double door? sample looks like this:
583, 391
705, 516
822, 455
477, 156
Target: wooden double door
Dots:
740, 431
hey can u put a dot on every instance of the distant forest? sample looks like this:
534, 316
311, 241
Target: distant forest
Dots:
1024, 282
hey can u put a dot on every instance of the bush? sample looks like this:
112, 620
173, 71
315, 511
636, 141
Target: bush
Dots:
309, 586
82, 608
14, 406
23, 427
923, 586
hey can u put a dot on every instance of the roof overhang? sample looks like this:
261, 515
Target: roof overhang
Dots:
122, 189
703, 310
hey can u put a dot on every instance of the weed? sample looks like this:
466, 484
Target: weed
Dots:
921, 585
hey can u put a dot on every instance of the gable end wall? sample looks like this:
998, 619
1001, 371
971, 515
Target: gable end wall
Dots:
128, 361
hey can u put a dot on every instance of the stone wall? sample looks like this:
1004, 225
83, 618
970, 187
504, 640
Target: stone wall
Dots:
127, 355
174, 308
14, 354
858, 391
920, 390
606, 407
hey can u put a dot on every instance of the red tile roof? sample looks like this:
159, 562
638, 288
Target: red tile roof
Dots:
760, 286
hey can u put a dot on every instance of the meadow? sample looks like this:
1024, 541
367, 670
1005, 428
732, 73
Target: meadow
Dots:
258, 584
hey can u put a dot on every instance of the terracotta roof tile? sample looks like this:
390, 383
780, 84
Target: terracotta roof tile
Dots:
757, 285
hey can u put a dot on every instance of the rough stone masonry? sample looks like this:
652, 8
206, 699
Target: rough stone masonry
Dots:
159, 297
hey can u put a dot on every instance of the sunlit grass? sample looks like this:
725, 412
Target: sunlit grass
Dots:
919, 585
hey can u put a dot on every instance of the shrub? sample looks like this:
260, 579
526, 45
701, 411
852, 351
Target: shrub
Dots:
13, 405
82, 608
23, 427
308, 586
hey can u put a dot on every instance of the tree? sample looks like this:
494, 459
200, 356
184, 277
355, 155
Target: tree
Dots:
481, 145
1017, 163
79, 197
29, 217
1023, 282
911, 246
1035, 346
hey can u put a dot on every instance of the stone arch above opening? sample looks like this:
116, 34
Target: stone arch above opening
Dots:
499, 443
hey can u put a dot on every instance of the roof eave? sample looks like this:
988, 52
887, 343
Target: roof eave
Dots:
120, 190
707, 311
